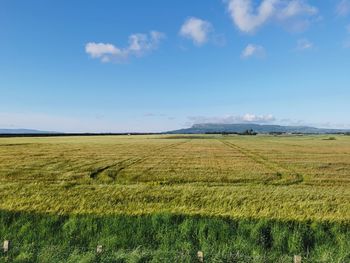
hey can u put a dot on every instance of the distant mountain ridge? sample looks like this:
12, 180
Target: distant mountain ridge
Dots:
259, 128
25, 131
204, 128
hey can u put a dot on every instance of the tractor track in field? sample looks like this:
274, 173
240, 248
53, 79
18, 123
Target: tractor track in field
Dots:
148, 170
132, 161
94, 174
279, 169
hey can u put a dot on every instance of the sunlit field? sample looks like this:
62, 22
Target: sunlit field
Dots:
284, 181
250, 177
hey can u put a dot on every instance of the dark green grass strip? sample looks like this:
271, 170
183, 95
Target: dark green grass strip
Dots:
168, 238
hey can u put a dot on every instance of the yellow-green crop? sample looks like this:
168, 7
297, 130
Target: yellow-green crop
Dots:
274, 177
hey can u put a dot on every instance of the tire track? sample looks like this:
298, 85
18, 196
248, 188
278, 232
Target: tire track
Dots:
283, 173
148, 171
132, 161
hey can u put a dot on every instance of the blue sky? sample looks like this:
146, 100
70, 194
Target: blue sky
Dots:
127, 65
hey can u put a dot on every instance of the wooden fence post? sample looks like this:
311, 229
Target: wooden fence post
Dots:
297, 259
6, 246
200, 256
99, 249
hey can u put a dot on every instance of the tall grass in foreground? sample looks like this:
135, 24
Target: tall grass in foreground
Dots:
168, 238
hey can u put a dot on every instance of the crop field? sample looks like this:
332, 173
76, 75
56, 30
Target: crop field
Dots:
280, 183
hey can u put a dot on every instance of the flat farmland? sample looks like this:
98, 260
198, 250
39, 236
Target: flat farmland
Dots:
274, 177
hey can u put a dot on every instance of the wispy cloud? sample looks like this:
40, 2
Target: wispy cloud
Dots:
197, 30
139, 44
252, 50
43, 121
343, 8
326, 124
304, 44
346, 43
152, 114
85, 123
230, 119
261, 119
248, 19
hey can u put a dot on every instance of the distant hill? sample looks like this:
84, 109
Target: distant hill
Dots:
24, 131
239, 128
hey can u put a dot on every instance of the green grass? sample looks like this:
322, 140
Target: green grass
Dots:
281, 187
169, 238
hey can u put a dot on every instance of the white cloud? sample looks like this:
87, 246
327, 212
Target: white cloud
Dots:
249, 20
304, 44
103, 51
229, 119
343, 8
296, 8
139, 44
319, 124
197, 30
258, 118
252, 50
243, 16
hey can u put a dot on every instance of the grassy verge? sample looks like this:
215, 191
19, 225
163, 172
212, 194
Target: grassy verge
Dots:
38, 237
